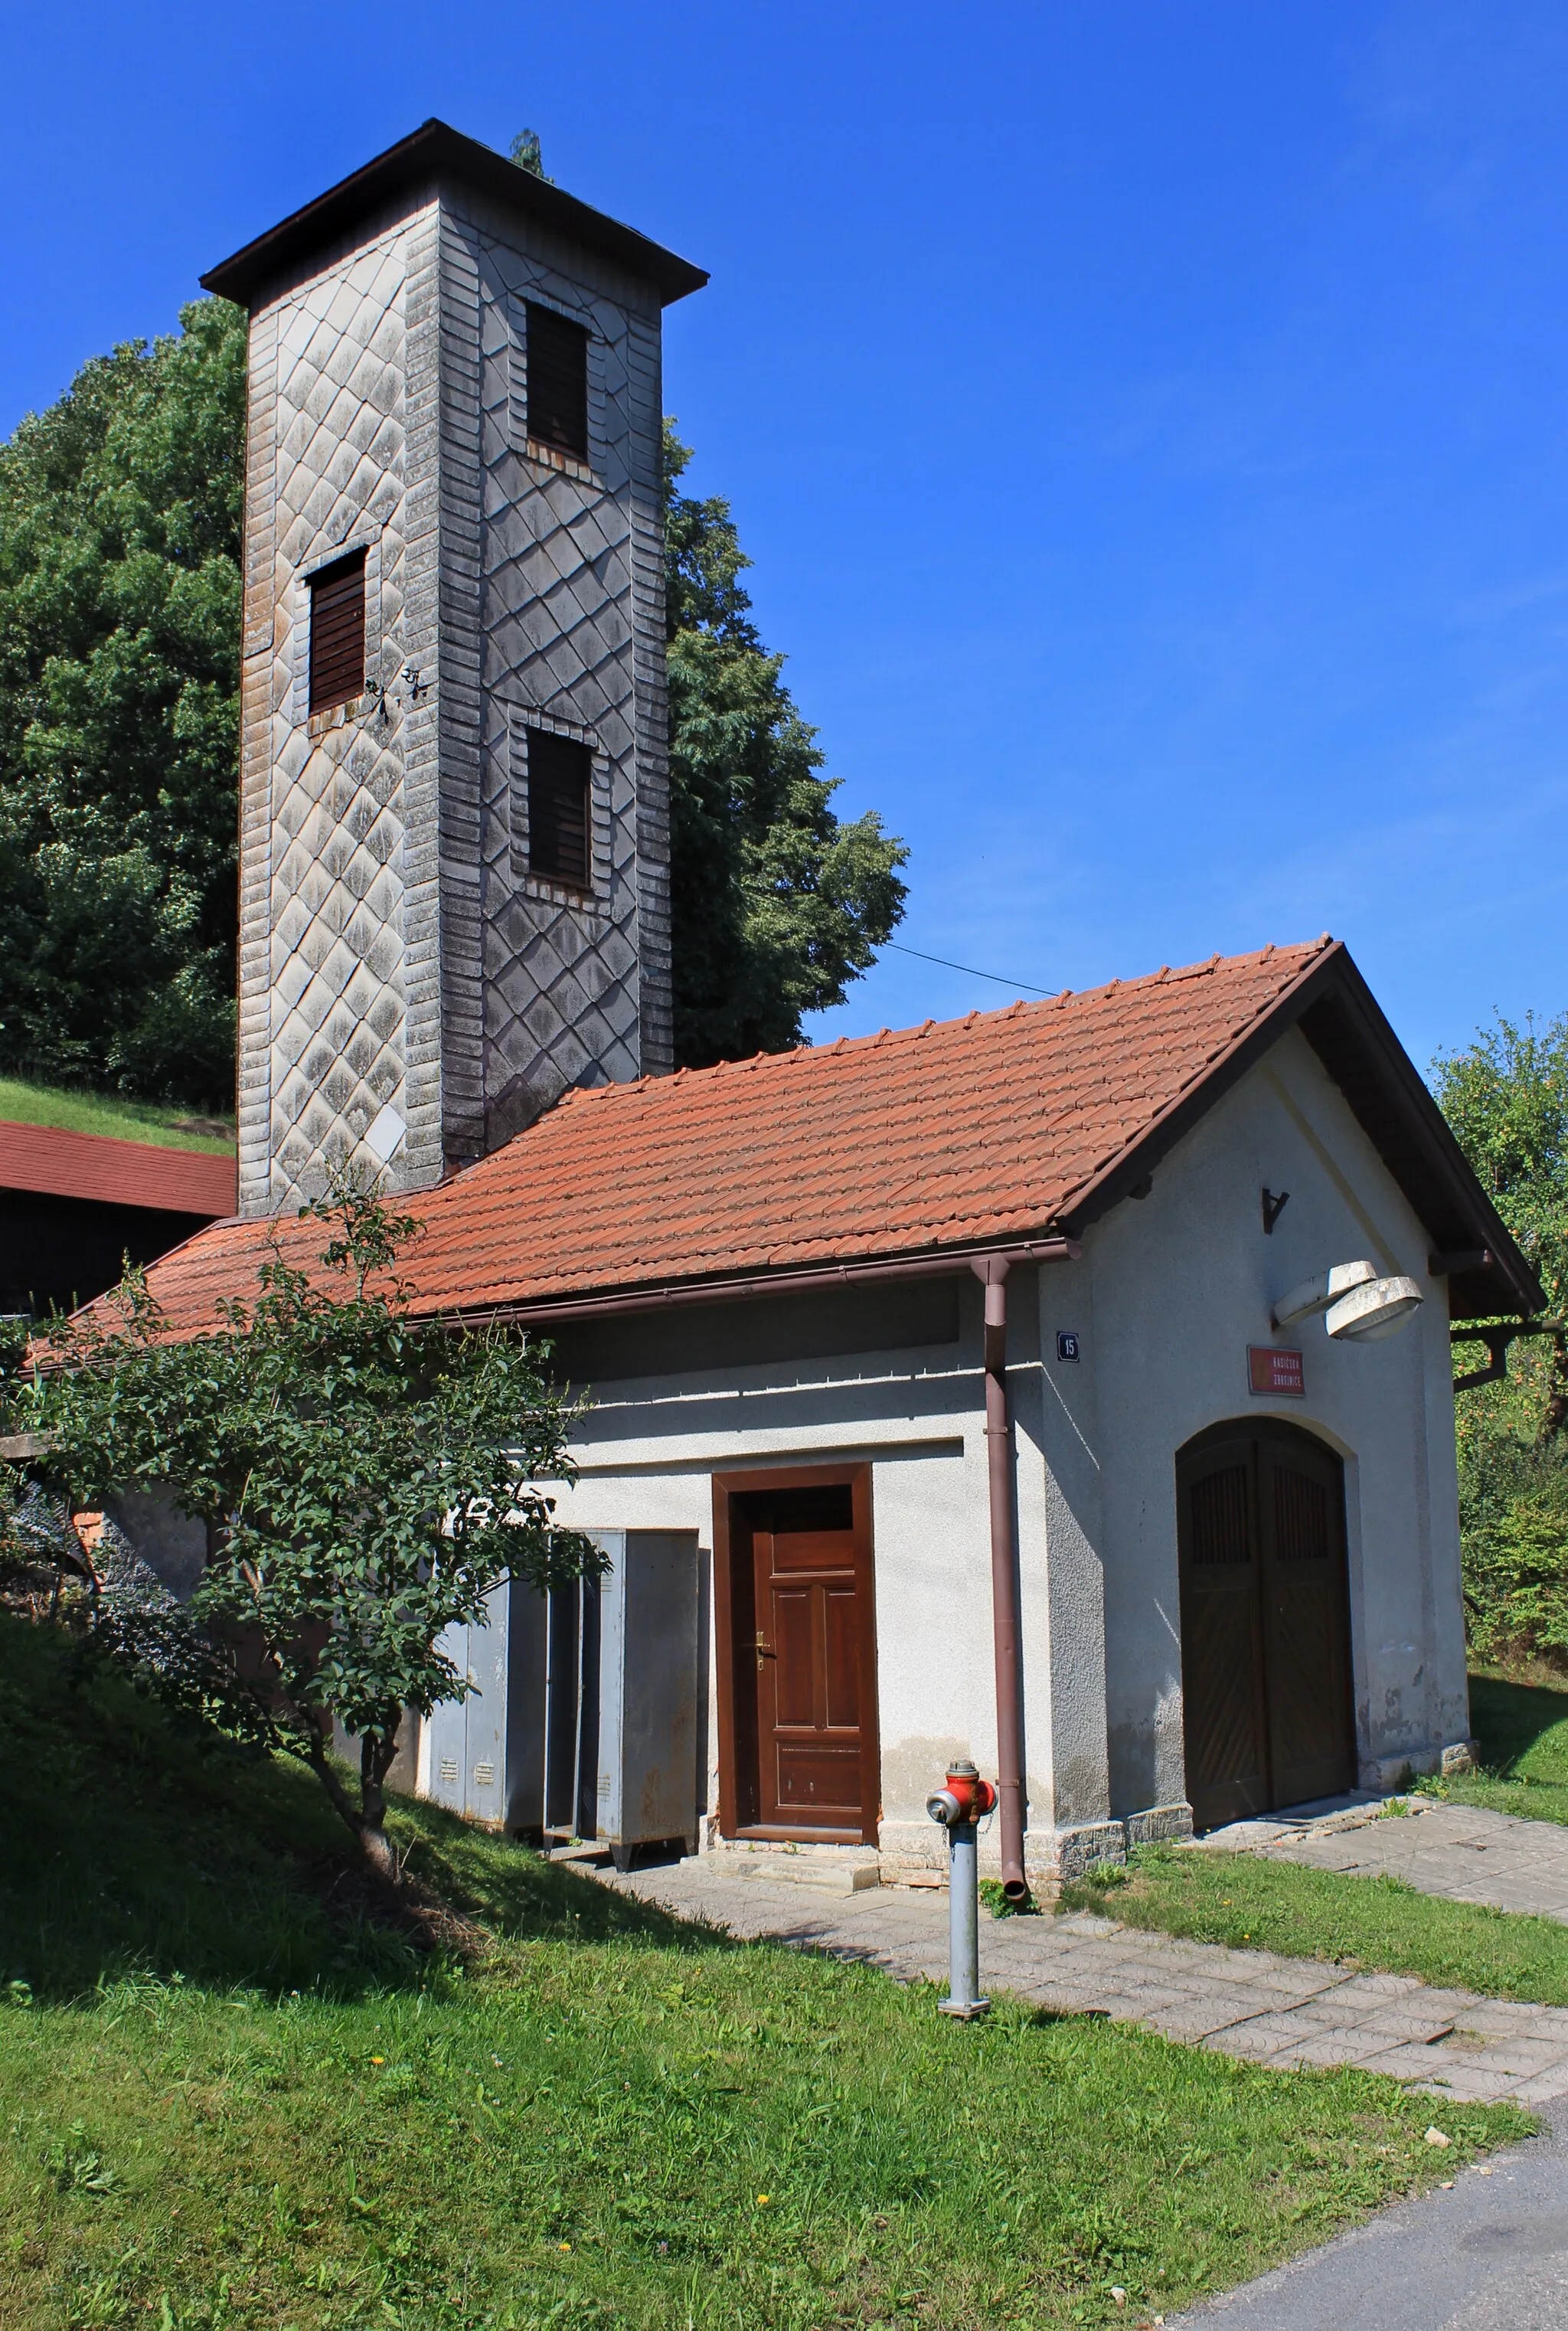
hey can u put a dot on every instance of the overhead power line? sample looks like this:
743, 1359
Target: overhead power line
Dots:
1016, 985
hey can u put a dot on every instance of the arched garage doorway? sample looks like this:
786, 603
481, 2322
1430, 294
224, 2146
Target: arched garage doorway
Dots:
1266, 1672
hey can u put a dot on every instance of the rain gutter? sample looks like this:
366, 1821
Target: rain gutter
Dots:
951, 1262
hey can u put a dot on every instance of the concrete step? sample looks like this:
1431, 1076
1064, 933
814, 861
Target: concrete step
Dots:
828, 1872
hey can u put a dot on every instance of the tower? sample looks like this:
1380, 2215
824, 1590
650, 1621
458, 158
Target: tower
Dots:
454, 822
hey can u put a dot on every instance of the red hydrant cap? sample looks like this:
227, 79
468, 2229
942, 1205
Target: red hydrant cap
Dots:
978, 1797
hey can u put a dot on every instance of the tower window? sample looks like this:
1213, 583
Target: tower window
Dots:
560, 773
337, 632
557, 381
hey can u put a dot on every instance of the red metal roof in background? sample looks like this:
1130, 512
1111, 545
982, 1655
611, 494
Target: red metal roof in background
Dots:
47, 1159
984, 1130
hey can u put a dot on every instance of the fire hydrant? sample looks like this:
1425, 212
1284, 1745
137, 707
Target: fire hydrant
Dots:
958, 1807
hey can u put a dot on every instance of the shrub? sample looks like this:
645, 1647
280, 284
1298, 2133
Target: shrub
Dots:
1515, 1576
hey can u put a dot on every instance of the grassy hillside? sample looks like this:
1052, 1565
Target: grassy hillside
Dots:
229, 2097
110, 1115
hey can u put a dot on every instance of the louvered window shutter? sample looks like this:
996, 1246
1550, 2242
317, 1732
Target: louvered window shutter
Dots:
560, 772
557, 381
337, 632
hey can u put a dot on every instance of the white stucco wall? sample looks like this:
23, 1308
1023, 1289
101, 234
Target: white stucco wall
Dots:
651, 1446
1168, 1294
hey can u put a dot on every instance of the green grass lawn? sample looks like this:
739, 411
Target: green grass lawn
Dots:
229, 2099
112, 1114
1244, 1902
1521, 1728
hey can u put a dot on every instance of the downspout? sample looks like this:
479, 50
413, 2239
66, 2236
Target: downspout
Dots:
992, 1272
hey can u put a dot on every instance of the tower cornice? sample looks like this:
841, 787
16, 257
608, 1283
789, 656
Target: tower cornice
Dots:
433, 152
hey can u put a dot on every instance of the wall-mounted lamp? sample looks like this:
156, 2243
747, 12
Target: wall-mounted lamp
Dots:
1359, 1306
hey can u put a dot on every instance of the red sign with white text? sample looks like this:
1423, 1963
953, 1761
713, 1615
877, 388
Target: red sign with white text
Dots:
1270, 1370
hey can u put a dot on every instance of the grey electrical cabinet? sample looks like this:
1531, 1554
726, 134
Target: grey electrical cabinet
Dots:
585, 1715
649, 1696
484, 1754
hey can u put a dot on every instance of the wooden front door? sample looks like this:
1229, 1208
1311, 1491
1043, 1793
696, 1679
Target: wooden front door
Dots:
798, 1733
1265, 1669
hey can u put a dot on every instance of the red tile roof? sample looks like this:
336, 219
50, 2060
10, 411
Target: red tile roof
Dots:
44, 1157
966, 1133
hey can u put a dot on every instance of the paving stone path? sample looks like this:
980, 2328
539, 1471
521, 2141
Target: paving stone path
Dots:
1462, 1852
1274, 2011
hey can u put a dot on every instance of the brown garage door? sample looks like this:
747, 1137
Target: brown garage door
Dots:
1266, 1672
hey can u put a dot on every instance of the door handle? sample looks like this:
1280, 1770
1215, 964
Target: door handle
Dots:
765, 1649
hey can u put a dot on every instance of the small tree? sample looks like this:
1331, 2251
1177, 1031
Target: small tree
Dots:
367, 1479
526, 152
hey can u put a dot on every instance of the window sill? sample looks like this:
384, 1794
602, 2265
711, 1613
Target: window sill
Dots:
550, 457
337, 715
547, 890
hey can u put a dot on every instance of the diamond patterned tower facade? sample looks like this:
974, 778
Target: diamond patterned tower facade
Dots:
454, 824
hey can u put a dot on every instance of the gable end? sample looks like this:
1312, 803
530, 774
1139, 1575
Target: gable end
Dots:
1338, 1015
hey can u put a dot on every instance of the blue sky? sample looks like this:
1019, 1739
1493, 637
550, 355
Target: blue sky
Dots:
1147, 418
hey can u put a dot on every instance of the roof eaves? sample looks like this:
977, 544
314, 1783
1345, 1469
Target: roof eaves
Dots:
433, 150
652, 1294
1331, 977
1509, 1283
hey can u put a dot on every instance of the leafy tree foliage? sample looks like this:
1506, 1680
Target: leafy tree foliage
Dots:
1515, 1576
367, 1479
120, 635
120, 639
1506, 1099
776, 905
1505, 1095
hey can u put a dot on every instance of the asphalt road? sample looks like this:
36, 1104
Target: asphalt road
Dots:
1492, 2255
